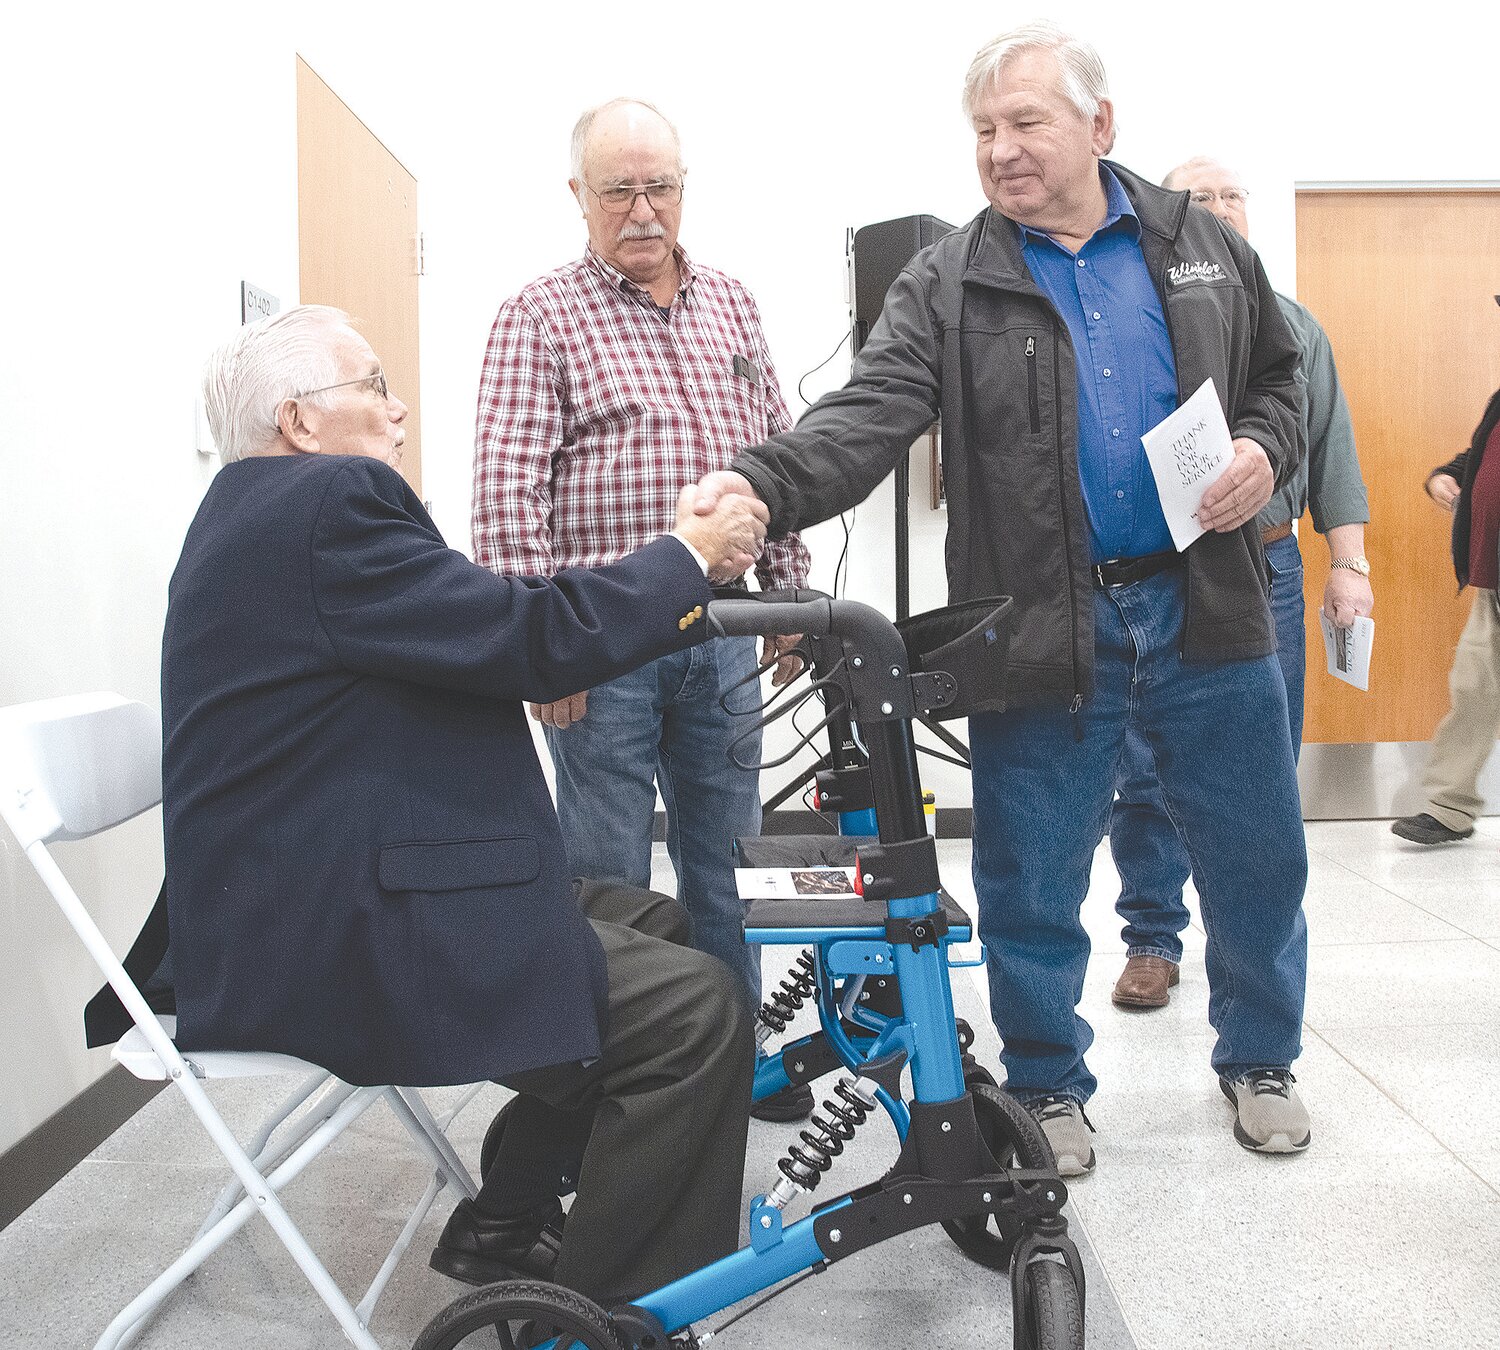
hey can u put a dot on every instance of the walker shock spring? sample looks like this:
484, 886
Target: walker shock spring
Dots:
804, 1167
799, 986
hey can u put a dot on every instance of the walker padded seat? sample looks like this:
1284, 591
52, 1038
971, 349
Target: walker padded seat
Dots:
822, 850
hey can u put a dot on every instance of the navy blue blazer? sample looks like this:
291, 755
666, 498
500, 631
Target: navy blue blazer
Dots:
363, 863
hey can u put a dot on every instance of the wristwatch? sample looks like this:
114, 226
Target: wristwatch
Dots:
1360, 565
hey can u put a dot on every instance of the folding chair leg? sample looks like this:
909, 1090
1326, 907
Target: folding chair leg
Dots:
377, 1285
411, 1109
429, 1135
262, 1157
469, 1093
260, 1195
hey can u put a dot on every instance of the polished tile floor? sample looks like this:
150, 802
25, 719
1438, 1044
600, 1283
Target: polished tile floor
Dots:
1383, 1235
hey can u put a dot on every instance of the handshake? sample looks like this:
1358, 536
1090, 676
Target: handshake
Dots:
725, 521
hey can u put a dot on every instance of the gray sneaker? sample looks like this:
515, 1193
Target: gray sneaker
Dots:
1067, 1130
1269, 1115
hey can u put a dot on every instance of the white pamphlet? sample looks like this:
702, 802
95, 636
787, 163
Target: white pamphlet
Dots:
795, 883
1188, 451
1349, 650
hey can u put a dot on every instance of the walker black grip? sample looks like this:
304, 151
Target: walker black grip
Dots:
870, 643
757, 618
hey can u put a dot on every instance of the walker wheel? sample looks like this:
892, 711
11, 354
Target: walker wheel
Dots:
1051, 1313
975, 1072
1010, 1133
521, 1315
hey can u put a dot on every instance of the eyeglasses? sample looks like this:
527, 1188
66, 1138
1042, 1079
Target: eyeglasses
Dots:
1230, 197
377, 380
620, 200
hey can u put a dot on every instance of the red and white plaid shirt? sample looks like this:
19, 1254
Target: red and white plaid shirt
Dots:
595, 412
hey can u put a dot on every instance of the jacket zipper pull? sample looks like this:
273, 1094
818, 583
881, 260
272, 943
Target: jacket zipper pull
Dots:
1073, 713
1033, 403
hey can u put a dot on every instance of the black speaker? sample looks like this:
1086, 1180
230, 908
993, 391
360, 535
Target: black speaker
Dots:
876, 258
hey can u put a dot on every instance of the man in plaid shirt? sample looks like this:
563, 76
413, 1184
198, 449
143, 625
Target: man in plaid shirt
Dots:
608, 386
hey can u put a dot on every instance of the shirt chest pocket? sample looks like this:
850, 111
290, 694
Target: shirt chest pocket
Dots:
615, 396
732, 388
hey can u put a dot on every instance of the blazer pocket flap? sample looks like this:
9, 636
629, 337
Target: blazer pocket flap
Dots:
459, 864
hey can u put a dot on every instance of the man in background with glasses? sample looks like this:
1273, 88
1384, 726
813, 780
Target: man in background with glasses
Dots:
1150, 857
609, 385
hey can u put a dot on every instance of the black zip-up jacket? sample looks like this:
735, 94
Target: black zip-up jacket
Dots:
967, 334
1465, 468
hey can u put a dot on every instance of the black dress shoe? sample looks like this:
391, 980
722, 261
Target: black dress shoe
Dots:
1425, 829
793, 1102
478, 1249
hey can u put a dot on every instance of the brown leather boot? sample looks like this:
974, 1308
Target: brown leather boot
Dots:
1144, 982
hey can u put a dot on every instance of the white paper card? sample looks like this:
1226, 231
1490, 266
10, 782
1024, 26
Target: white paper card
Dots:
1349, 650
1188, 451
795, 883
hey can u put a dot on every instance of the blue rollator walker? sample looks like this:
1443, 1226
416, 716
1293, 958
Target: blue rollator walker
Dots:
971, 1157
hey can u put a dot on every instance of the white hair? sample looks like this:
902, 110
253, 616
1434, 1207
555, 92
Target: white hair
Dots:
1189, 166
1083, 78
246, 380
584, 127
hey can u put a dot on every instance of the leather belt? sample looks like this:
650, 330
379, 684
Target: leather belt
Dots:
1272, 533
1127, 571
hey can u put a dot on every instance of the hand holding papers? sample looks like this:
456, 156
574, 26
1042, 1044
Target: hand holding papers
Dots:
1348, 650
1188, 452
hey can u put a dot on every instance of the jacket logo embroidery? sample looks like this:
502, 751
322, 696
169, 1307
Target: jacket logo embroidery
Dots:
1196, 271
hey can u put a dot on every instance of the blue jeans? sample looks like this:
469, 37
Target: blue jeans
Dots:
1044, 780
1151, 860
662, 725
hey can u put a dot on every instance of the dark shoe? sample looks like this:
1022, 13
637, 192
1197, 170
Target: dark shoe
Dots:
794, 1102
1269, 1116
1144, 982
1424, 829
478, 1249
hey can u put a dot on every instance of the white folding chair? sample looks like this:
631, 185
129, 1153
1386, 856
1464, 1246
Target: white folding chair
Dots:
73, 767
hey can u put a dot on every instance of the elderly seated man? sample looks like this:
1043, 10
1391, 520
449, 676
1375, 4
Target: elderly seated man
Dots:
364, 868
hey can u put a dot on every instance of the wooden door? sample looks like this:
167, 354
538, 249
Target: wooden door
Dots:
1404, 282
357, 233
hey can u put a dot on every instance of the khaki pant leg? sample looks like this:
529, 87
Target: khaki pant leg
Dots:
1466, 736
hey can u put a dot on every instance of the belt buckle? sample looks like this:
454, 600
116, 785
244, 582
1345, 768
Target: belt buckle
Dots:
1099, 574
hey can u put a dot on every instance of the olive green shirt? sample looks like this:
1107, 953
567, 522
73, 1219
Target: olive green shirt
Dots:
1328, 479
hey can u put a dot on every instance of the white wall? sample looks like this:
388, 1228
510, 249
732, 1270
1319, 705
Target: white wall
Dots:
150, 157
142, 185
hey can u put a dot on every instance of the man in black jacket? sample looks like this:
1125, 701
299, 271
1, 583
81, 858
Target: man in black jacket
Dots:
1062, 323
1469, 486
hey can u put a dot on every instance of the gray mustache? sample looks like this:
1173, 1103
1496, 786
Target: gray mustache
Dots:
651, 229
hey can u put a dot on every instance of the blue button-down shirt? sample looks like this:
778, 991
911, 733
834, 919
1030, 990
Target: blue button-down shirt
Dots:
1127, 377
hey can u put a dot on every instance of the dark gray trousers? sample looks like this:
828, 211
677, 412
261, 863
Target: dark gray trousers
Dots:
653, 1130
